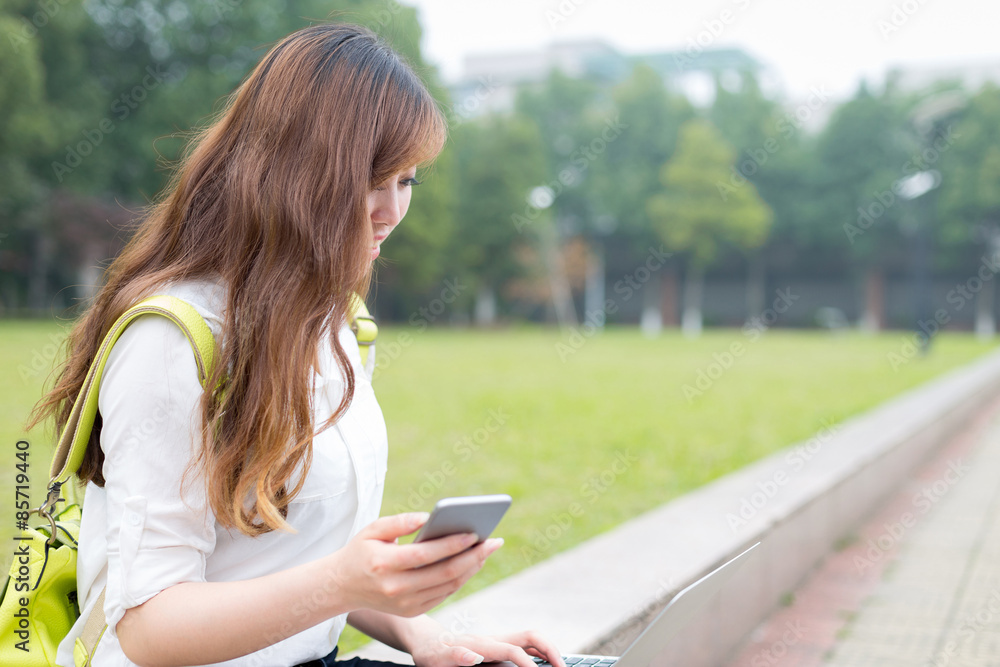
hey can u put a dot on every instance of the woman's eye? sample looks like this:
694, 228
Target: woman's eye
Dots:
404, 183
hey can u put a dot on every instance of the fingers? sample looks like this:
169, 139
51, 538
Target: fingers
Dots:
456, 569
388, 528
496, 651
464, 657
517, 648
409, 579
435, 595
430, 586
424, 553
535, 644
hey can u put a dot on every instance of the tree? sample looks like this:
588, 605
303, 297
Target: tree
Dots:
104, 94
862, 152
690, 215
499, 160
46, 90
624, 181
969, 202
752, 124
743, 115
563, 110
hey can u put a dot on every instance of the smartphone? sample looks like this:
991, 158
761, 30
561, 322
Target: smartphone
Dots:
465, 514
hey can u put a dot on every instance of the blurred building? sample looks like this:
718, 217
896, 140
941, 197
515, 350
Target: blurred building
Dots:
490, 82
970, 75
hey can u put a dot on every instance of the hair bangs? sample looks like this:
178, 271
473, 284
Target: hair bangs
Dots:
411, 129
272, 199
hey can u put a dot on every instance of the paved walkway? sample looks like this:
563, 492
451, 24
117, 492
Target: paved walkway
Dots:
920, 584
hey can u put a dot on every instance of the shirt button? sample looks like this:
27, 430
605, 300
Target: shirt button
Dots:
134, 519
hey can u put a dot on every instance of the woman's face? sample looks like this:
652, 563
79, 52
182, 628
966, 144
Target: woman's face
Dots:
387, 205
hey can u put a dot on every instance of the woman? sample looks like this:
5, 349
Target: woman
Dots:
238, 524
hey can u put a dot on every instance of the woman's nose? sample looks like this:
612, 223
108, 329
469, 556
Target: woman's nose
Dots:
385, 209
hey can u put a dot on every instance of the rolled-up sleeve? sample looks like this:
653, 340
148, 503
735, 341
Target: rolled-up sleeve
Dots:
160, 528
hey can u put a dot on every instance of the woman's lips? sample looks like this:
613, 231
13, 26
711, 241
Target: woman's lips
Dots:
378, 244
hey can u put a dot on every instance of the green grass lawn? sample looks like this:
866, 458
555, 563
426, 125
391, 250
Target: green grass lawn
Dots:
582, 440
28, 350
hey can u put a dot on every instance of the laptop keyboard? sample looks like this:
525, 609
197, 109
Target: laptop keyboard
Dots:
580, 661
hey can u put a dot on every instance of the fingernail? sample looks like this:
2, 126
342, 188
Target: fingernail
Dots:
419, 517
471, 658
495, 543
470, 539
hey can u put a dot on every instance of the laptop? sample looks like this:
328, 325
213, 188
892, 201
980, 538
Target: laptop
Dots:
667, 623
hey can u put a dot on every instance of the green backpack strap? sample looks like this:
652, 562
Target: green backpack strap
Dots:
76, 434
364, 327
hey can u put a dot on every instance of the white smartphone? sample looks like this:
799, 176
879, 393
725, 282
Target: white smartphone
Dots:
465, 514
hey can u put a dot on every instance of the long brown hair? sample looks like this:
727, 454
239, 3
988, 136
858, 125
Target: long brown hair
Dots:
271, 199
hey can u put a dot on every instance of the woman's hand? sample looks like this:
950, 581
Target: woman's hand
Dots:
467, 650
373, 572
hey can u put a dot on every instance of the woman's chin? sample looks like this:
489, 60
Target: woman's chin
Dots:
375, 252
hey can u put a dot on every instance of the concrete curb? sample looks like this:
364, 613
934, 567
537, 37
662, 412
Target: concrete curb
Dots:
799, 502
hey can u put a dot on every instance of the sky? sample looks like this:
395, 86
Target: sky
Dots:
807, 44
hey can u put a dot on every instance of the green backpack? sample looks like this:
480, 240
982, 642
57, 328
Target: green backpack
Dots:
39, 604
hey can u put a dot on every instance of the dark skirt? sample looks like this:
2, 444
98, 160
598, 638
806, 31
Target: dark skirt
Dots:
331, 661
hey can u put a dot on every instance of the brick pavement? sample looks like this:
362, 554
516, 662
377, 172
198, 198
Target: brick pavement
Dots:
918, 586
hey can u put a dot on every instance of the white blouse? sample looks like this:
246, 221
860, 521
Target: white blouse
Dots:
143, 533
